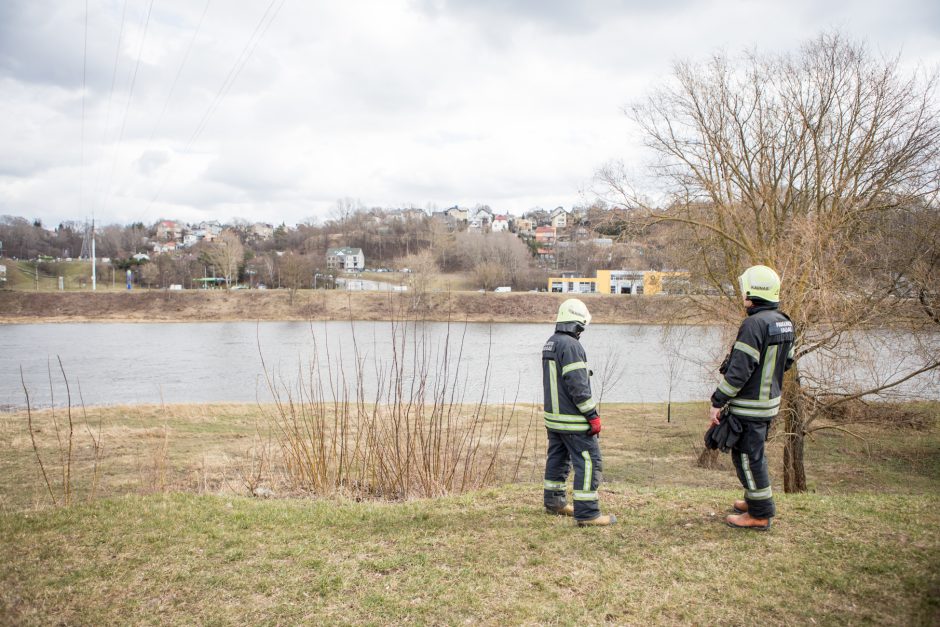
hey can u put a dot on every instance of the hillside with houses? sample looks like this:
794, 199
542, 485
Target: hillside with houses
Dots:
579, 249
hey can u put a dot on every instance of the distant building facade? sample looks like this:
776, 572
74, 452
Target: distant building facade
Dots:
648, 282
347, 259
168, 230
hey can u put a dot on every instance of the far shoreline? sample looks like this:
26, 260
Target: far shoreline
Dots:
156, 306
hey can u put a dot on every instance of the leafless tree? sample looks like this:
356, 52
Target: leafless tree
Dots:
226, 254
488, 274
296, 271
494, 258
801, 162
423, 273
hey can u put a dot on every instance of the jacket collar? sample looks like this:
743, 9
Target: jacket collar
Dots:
762, 306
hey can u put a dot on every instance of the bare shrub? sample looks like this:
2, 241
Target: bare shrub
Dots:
886, 415
420, 436
64, 443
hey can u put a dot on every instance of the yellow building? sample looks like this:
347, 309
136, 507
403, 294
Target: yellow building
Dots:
649, 282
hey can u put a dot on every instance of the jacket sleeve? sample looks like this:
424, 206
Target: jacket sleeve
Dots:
576, 379
744, 358
790, 358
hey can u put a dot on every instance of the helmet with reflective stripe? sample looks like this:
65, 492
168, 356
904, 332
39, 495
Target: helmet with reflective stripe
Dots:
760, 282
573, 310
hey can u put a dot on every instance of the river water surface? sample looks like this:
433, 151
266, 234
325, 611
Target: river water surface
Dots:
108, 364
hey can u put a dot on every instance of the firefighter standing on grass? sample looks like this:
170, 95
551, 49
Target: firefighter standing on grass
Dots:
572, 420
751, 390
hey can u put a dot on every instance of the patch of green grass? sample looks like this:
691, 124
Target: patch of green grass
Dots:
862, 548
491, 557
76, 275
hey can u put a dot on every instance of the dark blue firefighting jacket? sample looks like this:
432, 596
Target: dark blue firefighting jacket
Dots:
567, 385
753, 370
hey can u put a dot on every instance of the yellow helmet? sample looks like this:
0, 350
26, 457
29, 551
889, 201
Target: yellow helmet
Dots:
760, 282
573, 310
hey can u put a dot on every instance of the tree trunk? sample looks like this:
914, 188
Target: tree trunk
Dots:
794, 417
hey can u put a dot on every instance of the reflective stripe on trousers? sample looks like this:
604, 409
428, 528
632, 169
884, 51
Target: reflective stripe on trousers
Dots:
751, 466
584, 454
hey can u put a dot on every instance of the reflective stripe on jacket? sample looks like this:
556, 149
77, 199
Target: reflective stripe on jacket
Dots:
753, 371
567, 385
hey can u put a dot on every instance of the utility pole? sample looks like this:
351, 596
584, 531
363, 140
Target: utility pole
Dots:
94, 276
90, 250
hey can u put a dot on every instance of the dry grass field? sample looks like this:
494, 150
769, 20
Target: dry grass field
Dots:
171, 534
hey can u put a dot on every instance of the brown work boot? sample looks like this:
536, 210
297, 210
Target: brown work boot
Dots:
567, 510
746, 521
739, 507
604, 520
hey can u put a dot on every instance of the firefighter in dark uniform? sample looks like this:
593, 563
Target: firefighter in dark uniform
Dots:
572, 420
751, 389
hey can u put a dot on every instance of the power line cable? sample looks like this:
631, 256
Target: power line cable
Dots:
179, 71
127, 106
107, 120
247, 51
235, 70
81, 174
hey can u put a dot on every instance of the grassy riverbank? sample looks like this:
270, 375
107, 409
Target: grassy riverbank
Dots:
213, 305
170, 537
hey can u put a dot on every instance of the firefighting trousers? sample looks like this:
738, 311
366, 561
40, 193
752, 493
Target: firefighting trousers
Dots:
751, 466
567, 450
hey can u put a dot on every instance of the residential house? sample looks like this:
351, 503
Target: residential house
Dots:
481, 220
559, 218
578, 214
345, 259
523, 226
457, 214
412, 213
208, 231
261, 230
546, 255
500, 223
545, 236
165, 247
168, 230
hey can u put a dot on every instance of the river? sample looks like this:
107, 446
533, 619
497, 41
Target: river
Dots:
113, 364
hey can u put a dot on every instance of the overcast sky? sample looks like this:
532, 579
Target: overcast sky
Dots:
273, 111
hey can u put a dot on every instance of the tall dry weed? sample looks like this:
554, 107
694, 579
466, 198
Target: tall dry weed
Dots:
419, 434
63, 463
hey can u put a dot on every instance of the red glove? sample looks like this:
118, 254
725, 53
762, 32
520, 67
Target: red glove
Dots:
595, 426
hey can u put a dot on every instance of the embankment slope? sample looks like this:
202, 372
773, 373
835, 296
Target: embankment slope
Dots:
218, 305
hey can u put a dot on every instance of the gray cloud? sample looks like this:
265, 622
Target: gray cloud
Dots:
42, 41
512, 102
562, 15
151, 160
